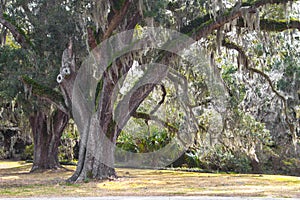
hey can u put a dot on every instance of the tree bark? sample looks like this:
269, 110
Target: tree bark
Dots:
47, 131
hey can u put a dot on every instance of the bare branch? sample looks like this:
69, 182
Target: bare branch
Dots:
163, 96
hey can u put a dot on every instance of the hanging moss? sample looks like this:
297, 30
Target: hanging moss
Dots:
268, 25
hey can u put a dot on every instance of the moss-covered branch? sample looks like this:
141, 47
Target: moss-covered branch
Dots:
205, 25
275, 25
259, 3
45, 92
279, 25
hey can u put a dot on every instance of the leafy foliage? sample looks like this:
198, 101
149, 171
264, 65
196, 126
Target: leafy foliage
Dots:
144, 141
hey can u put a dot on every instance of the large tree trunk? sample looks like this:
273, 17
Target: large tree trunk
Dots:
96, 156
47, 131
97, 142
100, 130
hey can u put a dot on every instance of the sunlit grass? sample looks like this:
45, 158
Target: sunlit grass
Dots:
16, 181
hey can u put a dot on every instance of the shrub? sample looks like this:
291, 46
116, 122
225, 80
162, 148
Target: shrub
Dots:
218, 158
28, 153
2, 153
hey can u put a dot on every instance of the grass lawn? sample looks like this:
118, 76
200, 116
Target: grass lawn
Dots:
16, 181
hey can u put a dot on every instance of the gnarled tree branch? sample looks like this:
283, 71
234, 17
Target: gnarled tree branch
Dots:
45, 93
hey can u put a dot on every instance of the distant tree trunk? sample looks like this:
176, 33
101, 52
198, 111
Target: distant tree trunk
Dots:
256, 168
47, 131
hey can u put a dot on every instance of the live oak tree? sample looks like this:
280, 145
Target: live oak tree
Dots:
41, 31
207, 24
214, 24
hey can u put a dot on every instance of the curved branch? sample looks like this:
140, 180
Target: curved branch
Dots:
149, 117
163, 96
240, 50
138, 93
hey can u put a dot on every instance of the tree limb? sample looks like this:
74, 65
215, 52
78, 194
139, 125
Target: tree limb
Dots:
19, 37
131, 101
45, 93
279, 25
117, 19
275, 25
149, 117
203, 26
240, 50
91, 38
163, 96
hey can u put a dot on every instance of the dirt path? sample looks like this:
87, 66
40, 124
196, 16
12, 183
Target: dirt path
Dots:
15, 181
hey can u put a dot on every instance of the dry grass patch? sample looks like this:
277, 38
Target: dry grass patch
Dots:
16, 181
